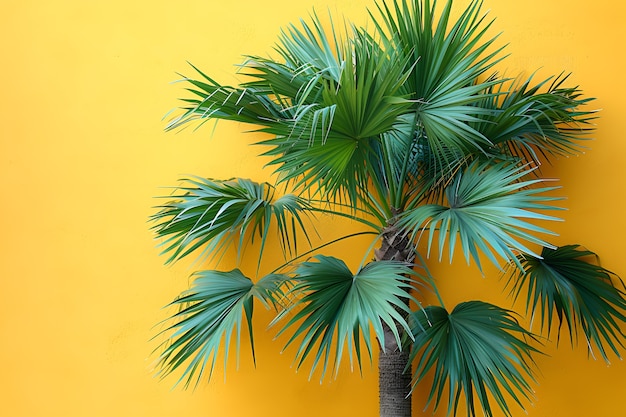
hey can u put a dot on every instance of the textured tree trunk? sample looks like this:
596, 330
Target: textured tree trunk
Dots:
394, 381
394, 374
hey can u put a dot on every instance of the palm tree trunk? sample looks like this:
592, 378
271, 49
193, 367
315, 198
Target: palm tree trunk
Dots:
394, 371
394, 381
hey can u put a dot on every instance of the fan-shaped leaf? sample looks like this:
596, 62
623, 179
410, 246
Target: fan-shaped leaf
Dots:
447, 59
566, 284
337, 308
209, 313
486, 205
478, 350
211, 214
531, 122
212, 100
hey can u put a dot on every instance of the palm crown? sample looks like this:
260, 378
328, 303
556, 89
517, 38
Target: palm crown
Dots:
410, 132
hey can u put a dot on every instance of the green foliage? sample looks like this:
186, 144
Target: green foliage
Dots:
335, 121
337, 308
476, 350
444, 82
211, 215
530, 122
564, 284
485, 206
209, 312
407, 130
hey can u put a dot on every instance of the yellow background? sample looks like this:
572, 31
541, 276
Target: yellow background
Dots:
85, 85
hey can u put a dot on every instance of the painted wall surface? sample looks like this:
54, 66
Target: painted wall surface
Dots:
82, 153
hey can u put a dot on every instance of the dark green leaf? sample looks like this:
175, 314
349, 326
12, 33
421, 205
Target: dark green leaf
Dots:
568, 285
478, 350
335, 309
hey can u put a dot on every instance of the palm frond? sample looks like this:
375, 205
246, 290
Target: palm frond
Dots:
312, 58
212, 100
332, 144
275, 94
568, 285
210, 313
485, 211
335, 309
478, 350
211, 215
533, 123
311, 49
447, 62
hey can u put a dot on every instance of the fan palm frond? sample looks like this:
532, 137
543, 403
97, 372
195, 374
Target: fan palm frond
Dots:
333, 142
447, 63
210, 313
210, 215
568, 285
336, 309
312, 49
477, 350
533, 123
486, 205
212, 100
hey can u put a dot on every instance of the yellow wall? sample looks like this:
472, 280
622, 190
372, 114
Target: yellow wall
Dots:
85, 84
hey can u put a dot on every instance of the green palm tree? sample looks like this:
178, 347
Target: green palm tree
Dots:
408, 131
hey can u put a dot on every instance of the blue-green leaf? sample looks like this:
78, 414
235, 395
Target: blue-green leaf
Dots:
486, 207
336, 309
211, 215
209, 314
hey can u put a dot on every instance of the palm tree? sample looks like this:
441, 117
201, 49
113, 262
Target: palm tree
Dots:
408, 131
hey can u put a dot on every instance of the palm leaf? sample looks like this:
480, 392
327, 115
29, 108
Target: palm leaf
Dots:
446, 63
533, 123
485, 211
332, 144
212, 100
478, 350
336, 309
311, 49
566, 284
210, 215
210, 312
312, 58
